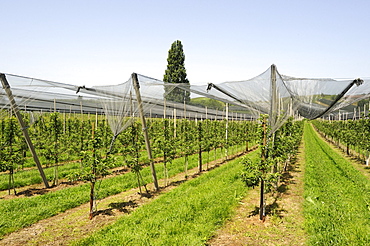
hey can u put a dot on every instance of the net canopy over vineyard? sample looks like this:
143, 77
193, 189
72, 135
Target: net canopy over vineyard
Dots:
270, 93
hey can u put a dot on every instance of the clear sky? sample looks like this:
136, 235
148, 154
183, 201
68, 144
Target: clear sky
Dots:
90, 42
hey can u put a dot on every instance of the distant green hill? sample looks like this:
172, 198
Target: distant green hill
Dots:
207, 102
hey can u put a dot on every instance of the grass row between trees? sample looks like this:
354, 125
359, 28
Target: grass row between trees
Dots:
337, 196
188, 215
22, 212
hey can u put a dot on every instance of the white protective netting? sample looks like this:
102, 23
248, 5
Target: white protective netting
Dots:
270, 93
283, 96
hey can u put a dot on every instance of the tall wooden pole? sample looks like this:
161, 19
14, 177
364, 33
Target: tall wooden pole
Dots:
136, 85
200, 145
184, 107
164, 109
15, 109
227, 129
274, 98
174, 122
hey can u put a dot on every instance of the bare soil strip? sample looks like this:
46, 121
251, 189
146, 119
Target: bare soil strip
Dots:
74, 224
284, 222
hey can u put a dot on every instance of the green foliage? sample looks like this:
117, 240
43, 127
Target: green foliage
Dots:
22, 212
176, 73
352, 133
11, 150
252, 174
63, 138
131, 152
94, 165
164, 141
278, 151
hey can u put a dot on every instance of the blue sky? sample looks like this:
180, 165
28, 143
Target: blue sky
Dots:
103, 42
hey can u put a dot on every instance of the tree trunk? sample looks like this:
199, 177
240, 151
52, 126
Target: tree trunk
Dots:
200, 160
142, 181
138, 181
208, 159
186, 166
165, 169
92, 188
11, 181
262, 200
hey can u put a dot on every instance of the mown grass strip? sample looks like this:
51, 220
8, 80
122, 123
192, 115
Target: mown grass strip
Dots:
187, 215
29, 177
32, 176
22, 212
336, 209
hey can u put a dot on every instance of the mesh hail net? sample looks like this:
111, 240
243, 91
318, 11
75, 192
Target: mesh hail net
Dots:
270, 93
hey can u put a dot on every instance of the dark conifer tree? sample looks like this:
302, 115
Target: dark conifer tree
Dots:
176, 73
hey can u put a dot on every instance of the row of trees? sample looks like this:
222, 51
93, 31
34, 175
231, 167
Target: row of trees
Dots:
348, 134
278, 150
59, 138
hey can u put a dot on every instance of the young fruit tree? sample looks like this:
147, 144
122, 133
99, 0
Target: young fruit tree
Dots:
94, 166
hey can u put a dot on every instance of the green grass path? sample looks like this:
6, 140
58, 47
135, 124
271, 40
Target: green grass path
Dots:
21, 212
337, 196
187, 215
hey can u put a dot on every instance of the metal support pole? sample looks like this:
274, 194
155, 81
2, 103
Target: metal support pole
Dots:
15, 109
136, 85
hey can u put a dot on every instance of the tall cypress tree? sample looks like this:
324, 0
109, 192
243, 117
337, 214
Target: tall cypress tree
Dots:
176, 73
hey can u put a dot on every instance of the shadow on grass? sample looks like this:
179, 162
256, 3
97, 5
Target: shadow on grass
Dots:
271, 210
32, 192
123, 207
42, 191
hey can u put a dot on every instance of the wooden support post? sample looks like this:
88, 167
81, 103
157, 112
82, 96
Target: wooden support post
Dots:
96, 118
274, 98
136, 85
227, 129
15, 109
164, 109
200, 161
174, 122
